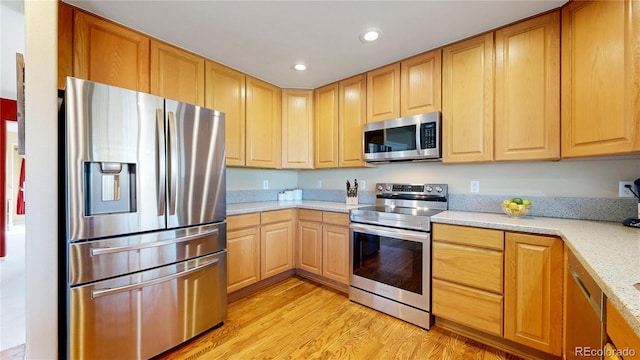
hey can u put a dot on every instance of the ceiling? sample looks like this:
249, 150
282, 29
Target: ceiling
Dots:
265, 38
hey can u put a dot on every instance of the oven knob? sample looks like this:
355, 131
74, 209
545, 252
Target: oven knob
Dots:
380, 188
438, 189
388, 188
429, 188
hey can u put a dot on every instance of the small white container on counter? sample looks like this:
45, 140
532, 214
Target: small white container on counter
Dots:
281, 196
288, 194
297, 194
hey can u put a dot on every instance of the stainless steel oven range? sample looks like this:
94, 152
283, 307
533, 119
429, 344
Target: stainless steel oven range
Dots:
390, 250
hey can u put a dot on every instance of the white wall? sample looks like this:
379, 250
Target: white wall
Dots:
41, 78
597, 178
11, 42
252, 179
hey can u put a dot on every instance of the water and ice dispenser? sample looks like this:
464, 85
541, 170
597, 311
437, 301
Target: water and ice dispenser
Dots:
110, 187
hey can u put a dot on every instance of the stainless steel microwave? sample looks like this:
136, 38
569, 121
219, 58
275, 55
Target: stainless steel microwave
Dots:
416, 137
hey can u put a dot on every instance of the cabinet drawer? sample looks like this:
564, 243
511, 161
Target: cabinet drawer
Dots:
474, 308
268, 217
242, 221
309, 215
621, 333
335, 218
463, 235
475, 267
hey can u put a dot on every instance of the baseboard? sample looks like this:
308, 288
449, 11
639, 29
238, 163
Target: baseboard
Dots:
253, 288
494, 341
323, 280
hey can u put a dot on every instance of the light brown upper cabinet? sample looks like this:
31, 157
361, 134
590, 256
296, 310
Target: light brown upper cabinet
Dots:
176, 74
225, 91
297, 129
527, 92
352, 115
264, 126
65, 43
467, 100
421, 83
383, 93
326, 126
600, 76
109, 53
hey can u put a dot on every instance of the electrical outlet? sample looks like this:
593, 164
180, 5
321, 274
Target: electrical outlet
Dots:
362, 184
623, 191
475, 186
265, 184
319, 184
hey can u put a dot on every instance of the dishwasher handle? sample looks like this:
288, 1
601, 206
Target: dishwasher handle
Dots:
592, 301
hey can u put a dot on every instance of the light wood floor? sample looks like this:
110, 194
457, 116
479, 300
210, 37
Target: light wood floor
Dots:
299, 319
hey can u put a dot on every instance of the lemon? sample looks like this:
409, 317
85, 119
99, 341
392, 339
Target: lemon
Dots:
517, 201
513, 206
506, 202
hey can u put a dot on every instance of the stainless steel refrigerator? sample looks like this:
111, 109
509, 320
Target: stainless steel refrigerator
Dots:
143, 233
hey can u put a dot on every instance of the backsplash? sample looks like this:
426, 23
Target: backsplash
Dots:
601, 209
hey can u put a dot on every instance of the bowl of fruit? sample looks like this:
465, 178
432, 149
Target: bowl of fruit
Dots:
516, 207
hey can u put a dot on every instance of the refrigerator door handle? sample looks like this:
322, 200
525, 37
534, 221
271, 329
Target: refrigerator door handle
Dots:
173, 162
111, 291
116, 249
162, 171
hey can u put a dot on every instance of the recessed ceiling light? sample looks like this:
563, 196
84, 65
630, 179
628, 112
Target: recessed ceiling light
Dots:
300, 67
370, 35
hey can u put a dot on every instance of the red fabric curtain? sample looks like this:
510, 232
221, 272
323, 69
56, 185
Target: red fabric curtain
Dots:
21, 192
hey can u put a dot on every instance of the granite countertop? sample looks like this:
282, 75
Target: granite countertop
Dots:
609, 251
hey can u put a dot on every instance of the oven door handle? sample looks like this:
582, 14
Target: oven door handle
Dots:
391, 232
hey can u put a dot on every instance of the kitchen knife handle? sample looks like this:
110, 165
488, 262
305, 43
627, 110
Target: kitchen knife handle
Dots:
173, 163
161, 172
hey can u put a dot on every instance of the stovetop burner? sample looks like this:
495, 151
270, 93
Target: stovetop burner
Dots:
405, 206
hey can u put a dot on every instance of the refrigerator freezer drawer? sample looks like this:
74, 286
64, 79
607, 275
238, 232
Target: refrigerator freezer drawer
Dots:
141, 315
100, 259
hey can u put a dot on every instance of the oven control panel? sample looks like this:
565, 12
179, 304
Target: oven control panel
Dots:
415, 189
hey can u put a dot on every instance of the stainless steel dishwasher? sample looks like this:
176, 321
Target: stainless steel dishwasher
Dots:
584, 313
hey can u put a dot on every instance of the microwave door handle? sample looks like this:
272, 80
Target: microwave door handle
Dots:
418, 148
161, 173
173, 162
111, 291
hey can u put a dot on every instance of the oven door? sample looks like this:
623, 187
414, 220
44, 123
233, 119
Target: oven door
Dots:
392, 263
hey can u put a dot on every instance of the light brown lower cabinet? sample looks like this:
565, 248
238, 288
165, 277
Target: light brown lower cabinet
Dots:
625, 341
259, 245
243, 251
323, 244
514, 296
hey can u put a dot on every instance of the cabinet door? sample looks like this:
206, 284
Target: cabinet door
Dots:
352, 106
176, 74
467, 100
225, 91
326, 126
243, 254
335, 253
383, 93
65, 43
421, 84
276, 250
297, 129
600, 76
527, 118
264, 131
533, 291
109, 53
310, 247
